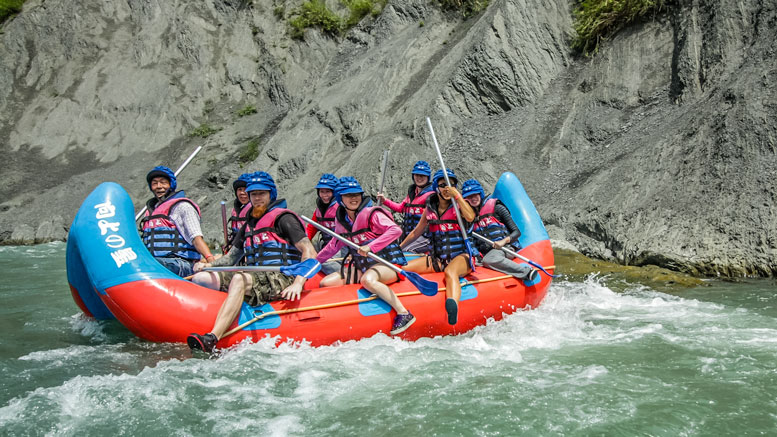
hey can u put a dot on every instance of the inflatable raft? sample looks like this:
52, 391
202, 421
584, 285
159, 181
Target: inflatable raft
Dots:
112, 275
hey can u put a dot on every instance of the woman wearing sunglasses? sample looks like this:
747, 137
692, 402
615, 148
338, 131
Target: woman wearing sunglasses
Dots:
449, 249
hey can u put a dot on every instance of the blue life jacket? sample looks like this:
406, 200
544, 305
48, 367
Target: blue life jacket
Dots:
263, 246
161, 235
489, 226
447, 242
414, 209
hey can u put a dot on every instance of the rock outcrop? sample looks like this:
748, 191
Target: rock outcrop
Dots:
660, 149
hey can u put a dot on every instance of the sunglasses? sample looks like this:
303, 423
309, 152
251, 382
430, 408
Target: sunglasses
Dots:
445, 184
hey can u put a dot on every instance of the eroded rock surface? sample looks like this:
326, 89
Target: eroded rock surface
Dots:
658, 150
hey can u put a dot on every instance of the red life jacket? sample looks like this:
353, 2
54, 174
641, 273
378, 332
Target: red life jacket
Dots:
414, 209
263, 246
327, 220
446, 239
161, 235
237, 219
489, 226
362, 234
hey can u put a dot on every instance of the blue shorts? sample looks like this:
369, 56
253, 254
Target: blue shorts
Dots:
179, 266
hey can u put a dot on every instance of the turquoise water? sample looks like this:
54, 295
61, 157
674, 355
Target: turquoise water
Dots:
589, 361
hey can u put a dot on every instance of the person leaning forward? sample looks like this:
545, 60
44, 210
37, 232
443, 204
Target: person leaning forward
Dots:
171, 227
272, 236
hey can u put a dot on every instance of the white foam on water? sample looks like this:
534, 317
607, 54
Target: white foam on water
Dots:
79, 353
571, 361
87, 326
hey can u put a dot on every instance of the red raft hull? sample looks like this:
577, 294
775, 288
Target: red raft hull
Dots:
112, 275
166, 310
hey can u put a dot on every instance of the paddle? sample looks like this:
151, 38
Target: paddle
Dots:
447, 181
515, 254
224, 224
383, 166
425, 286
180, 169
307, 268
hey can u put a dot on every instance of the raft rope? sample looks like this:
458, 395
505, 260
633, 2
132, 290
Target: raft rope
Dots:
354, 302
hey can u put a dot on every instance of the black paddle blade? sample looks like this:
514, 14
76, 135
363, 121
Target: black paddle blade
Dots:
425, 286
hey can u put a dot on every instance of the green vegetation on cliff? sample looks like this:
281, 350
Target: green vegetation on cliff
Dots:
596, 20
316, 13
9, 7
466, 7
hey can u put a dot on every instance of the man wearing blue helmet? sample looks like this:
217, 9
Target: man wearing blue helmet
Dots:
495, 223
171, 227
449, 250
240, 207
413, 206
272, 236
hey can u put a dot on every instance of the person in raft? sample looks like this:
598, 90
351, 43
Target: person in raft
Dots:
171, 227
413, 206
326, 206
450, 251
240, 208
494, 222
373, 229
271, 236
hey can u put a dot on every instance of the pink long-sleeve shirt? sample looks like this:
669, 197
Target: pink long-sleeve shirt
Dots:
380, 224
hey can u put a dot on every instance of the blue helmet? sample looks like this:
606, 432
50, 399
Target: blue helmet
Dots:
472, 186
262, 181
347, 185
328, 180
423, 168
241, 181
164, 172
439, 175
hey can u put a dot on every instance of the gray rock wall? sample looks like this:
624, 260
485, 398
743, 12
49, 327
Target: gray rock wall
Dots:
660, 149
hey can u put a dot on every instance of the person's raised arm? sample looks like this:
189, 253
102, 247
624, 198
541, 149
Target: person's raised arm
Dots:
467, 213
394, 206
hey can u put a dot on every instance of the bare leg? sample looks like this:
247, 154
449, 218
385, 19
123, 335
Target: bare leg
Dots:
208, 279
375, 280
332, 280
422, 264
231, 307
457, 268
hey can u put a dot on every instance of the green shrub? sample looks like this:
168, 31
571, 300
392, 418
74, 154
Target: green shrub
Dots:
596, 20
467, 7
315, 13
9, 8
248, 110
358, 10
249, 152
203, 131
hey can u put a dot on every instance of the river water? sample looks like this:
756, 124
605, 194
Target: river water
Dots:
589, 361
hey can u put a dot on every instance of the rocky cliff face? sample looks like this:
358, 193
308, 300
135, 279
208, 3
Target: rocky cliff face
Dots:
658, 150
